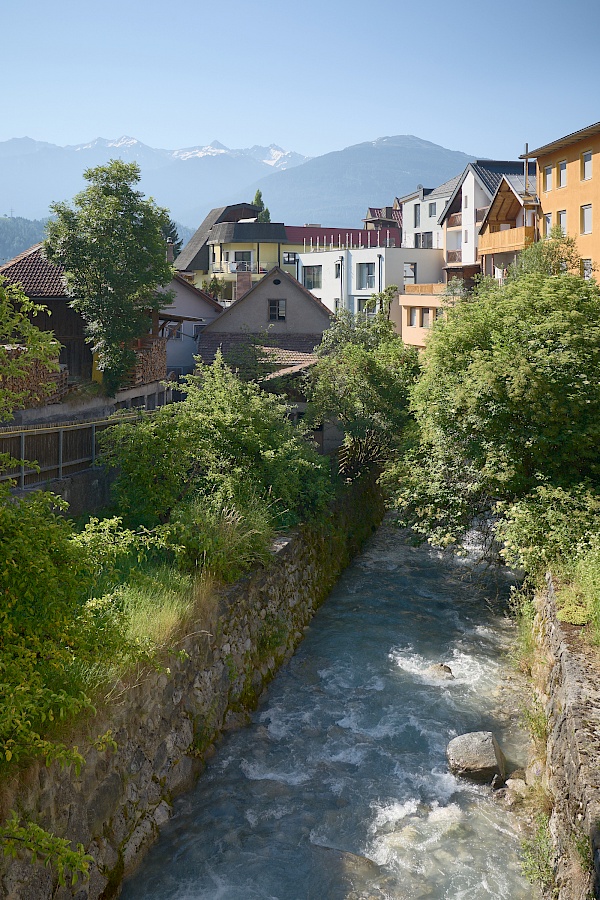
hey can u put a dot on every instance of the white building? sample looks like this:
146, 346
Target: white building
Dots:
345, 278
420, 213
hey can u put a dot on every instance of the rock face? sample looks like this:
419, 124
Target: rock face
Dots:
440, 670
477, 756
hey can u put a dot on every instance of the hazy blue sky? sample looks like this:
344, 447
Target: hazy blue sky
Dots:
319, 75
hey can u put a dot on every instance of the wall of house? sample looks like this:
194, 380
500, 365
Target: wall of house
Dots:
182, 349
165, 723
302, 316
574, 195
428, 223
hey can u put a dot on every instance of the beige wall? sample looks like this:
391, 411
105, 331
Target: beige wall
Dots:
302, 315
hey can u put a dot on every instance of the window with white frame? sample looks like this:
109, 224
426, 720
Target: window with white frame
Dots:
417, 215
276, 310
561, 173
338, 270
547, 224
432, 209
586, 165
586, 219
365, 276
587, 268
561, 219
547, 178
312, 277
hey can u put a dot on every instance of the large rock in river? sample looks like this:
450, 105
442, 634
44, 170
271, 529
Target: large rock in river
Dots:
477, 756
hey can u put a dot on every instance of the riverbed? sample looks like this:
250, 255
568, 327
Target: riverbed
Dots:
339, 788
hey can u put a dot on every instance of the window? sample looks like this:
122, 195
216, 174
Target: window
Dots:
338, 270
466, 201
424, 240
439, 312
410, 273
276, 310
432, 209
586, 165
289, 259
198, 329
561, 219
586, 219
547, 224
547, 178
466, 240
312, 277
417, 215
561, 173
175, 333
425, 317
365, 276
412, 316
243, 260
587, 268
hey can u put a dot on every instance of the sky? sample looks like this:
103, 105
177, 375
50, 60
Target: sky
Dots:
473, 75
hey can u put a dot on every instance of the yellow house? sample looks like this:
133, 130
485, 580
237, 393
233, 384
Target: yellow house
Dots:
568, 185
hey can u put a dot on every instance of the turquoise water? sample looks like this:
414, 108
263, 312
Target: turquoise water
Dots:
339, 789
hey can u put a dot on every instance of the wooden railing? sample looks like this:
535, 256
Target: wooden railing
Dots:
438, 288
508, 241
455, 220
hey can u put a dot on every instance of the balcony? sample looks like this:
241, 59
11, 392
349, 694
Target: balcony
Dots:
480, 213
454, 256
232, 268
510, 240
438, 288
455, 220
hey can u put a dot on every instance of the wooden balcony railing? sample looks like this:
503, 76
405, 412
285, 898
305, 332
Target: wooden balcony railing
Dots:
508, 241
424, 288
454, 256
455, 220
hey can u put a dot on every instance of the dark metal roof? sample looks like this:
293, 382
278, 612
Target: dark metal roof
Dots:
37, 275
565, 141
247, 232
194, 255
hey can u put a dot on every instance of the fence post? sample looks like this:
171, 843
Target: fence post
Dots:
93, 443
22, 475
60, 452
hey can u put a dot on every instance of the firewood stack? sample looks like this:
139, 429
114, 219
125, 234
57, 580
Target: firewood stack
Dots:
38, 387
151, 361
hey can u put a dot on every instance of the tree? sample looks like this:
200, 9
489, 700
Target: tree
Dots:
25, 351
362, 380
509, 399
112, 247
264, 215
554, 255
171, 233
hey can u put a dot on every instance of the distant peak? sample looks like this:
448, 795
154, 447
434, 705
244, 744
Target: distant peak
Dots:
217, 145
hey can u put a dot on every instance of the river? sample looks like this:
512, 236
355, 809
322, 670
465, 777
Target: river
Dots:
339, 789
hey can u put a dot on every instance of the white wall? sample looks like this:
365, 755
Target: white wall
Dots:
181, 351
428, 223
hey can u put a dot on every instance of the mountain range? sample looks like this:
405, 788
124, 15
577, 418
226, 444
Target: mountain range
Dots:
333, 189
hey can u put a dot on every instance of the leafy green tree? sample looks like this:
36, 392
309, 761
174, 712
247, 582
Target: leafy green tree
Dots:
362, 380
264, 215
509, 399
24, 349
554, 255
112, 247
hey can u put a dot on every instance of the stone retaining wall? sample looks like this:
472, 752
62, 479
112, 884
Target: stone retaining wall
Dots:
165, 723
571, 695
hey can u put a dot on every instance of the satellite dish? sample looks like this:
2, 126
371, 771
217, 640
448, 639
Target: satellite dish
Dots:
419, 187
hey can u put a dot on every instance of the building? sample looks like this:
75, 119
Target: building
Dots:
182, 323
421, 211
233, 247
509, 225
568, 183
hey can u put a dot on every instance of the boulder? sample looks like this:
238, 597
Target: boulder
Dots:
477, 756
440, 670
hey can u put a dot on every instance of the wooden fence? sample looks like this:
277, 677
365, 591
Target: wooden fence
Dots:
46, 452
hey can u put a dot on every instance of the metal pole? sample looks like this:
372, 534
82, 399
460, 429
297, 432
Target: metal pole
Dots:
93, 443
60, 452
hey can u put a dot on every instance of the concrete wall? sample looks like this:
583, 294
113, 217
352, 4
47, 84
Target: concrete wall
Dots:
165, 723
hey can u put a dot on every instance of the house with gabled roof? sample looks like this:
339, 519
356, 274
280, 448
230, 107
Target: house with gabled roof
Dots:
278, 315
465, 210
509, 225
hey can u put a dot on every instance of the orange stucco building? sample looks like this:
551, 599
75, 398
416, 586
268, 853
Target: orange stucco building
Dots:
568, 185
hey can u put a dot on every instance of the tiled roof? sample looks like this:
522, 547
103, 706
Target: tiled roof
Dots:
445, 189
283, 349
37, 276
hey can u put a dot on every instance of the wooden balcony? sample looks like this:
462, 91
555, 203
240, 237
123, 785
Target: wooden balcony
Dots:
508, 241
455, 220
438, 288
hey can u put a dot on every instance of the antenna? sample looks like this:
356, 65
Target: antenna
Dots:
526, 168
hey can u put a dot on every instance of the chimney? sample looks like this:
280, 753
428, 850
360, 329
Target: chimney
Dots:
170, 251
